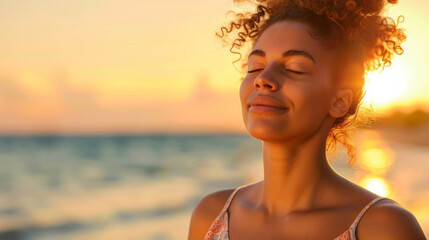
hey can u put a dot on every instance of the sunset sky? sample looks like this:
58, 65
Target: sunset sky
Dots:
104, 66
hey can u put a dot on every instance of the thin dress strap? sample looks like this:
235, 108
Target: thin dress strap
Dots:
219, 227
228, 202
359, 216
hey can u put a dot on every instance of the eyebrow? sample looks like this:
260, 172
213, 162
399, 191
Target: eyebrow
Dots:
288, 53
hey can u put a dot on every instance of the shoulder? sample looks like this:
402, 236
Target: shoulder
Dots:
388, 220
211, 205
206, 211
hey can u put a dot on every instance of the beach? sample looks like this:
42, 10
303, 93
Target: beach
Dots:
145, 187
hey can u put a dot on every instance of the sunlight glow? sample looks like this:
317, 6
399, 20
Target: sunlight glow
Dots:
85, 63
377, 160
376, 185
374, 154
384, 88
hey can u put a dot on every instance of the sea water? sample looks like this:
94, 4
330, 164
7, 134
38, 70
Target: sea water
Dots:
145, 187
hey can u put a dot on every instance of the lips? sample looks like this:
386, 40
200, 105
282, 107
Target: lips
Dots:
263, 103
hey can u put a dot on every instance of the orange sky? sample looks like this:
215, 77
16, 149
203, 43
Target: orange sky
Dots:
93, 66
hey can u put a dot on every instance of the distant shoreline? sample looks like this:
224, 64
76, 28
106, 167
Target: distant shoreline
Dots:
413, 135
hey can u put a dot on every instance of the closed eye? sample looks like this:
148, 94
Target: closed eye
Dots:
293, 71
255, 70
290, 70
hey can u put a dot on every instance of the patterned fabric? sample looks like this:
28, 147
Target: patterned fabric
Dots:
350, 234
219, 228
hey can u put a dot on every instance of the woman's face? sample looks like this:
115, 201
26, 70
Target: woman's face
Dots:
288, 90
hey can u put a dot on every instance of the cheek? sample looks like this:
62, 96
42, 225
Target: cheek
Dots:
243, 96
315, 105
245, 90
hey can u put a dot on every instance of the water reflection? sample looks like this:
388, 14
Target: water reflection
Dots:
375, 158
139, 187
377, 185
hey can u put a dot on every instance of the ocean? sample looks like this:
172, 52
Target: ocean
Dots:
145, 187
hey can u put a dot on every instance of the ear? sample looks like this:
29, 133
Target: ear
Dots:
341, 102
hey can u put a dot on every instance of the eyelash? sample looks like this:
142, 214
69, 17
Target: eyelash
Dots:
296, 72
254, 70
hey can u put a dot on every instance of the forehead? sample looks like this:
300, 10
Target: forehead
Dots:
289, 35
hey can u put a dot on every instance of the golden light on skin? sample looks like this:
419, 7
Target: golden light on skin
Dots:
385, 88
377, 185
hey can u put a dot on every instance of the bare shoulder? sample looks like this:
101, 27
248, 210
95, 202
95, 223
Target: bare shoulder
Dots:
388, 220
206, 211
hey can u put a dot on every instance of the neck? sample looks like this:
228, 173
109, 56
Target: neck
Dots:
295, 176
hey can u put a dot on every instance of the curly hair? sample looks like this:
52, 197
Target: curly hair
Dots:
367, 40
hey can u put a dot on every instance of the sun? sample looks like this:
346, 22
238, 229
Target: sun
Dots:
385, 89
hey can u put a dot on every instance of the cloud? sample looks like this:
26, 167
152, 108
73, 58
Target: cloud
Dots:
11, 92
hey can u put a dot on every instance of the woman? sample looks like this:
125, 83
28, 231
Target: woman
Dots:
304, 83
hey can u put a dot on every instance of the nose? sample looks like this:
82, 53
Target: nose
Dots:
265, 80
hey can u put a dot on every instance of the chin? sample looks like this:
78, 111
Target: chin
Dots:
265, 132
